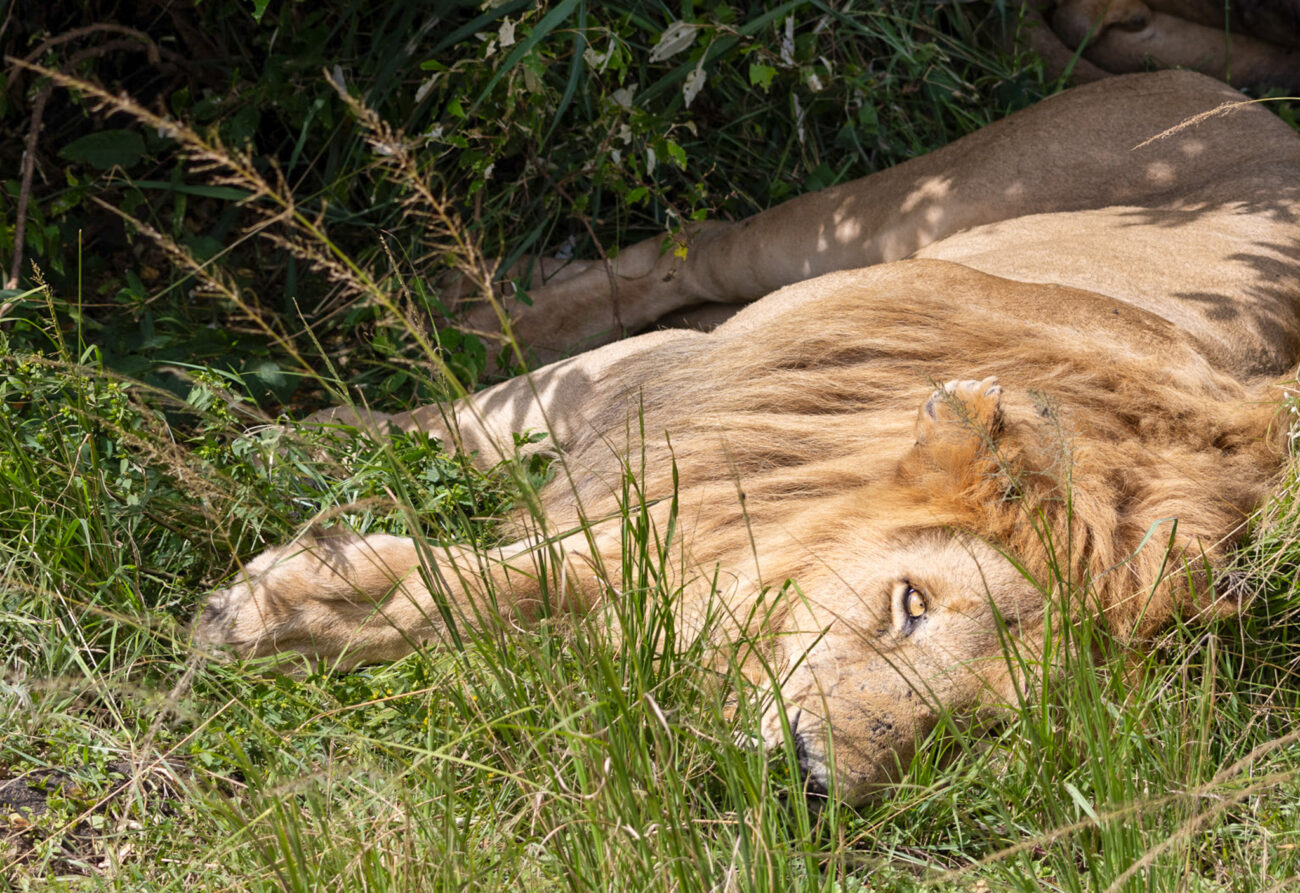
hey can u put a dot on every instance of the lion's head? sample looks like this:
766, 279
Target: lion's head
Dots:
870, 667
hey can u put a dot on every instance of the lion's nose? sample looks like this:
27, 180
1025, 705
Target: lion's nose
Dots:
810, 770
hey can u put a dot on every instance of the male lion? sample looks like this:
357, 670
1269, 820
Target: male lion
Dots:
1112, 314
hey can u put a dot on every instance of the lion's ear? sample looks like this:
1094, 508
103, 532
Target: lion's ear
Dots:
960, 410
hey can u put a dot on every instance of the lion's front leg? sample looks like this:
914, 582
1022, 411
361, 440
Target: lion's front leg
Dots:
348, 600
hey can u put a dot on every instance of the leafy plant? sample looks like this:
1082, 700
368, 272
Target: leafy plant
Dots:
268, 234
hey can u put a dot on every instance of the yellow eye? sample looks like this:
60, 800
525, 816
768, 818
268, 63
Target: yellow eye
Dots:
913, 603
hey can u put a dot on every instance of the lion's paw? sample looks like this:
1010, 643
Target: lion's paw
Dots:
249, 615
972, 404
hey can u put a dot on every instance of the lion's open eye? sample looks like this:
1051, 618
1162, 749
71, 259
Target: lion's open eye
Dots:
909, 607
913, 603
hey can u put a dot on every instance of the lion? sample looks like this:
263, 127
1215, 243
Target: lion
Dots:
1252, 43
1093, 303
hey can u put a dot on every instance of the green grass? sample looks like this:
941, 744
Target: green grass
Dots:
549, 758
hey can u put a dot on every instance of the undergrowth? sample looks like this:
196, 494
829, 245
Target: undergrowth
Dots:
145, 453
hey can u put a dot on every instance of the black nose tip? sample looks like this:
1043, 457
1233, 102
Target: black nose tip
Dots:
814, 788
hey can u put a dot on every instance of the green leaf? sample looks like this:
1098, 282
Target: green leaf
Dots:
268, 376
106, 149
549, 22
676, 153
228, 193
240, 127
761, 75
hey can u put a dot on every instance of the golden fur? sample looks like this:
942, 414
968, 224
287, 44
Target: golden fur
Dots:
811, 423
1093, 335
